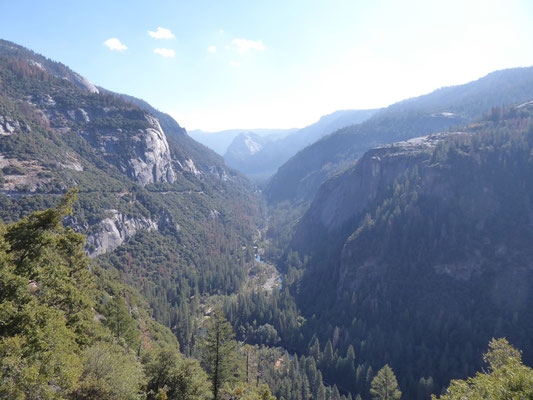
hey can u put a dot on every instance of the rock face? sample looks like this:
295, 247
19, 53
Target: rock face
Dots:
142, 154
114, 230
446, 185
58, 131
9, 126
152, 161
346, 196
84, 83
341, 204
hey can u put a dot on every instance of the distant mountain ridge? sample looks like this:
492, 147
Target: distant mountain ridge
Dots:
259, 157
219, 141
299, 178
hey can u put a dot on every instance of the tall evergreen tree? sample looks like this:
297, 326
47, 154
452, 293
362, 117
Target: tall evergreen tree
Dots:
219, 351
384, 385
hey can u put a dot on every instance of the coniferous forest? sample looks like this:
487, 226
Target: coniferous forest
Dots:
390, 259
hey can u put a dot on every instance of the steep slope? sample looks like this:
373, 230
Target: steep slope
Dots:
161, 211
420, 253
16, 52
261, 162
299, 178
182, 146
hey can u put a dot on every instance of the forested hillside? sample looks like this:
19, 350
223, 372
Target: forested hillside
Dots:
160, 209
419, 254
135, 265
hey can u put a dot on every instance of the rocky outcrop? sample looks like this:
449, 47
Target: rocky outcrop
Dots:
188, 166
115, 230
79, 115
83, 83
9, 126
219, 172
348, 194
142, 154
342, 203
152, 161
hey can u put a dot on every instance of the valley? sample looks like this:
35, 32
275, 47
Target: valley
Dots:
385, 244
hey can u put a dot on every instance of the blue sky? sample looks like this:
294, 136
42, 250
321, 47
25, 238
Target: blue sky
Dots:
273, 64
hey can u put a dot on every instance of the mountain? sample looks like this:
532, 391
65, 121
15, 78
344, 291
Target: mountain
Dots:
244, 146
158, 209
221, 140
259, 157
170, 231
420, 253
414, 255
16, 52
299, 178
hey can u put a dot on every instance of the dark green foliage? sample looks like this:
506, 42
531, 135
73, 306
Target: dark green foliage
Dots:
262, 317
507, 377
51, 343
45, 305
175, 376
380, 282
384, 385
218, 351
13, 170
203, 220
120, 322
294, 377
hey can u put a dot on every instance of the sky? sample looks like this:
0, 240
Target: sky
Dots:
217, 65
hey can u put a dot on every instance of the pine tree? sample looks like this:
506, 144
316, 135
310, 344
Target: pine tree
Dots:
218, 351
384, 385
120, 322
314, 348
327, 360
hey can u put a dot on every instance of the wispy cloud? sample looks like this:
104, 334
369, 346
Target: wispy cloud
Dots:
115, 45
234, 63
245, 45
167, 53
212, 49
161, 33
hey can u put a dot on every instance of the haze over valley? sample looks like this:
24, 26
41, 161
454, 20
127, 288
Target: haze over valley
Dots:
370, 240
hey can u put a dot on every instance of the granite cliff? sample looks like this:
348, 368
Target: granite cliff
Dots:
134, 165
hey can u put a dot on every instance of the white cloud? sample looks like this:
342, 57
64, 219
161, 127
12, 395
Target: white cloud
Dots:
115, 44
168, 53
161, 33
244, 45
234, 63
212, 49
221, 31
227, 47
